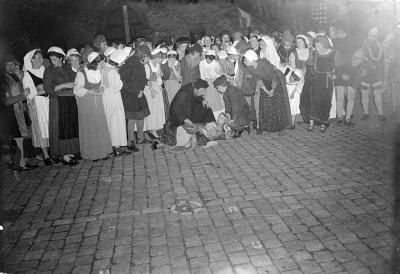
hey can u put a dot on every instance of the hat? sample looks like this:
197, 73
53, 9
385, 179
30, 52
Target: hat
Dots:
196, 48
311, 34
9, 58
242, 47
118, 56
93, 55
72, 51
304, 38
98, 40
108, 51
287, 36
182, 40
231, 50
251, 55
222, 54
220, 81
172, 52
143, 51
56, 50
200, 83
211, 52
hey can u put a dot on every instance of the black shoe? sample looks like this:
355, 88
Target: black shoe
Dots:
151, 135
348, 123
144, 141
259, 131
310, 129
382, 118
248, 129
117, 153
322, 129
132, 147
292, 127
365, 117
71, 162
48, 162
106, 158
31, 166
154, 145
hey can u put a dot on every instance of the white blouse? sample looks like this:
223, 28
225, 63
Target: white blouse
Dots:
209, 70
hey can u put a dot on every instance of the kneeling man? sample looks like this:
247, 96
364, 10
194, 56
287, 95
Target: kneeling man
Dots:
235, 105
187, 109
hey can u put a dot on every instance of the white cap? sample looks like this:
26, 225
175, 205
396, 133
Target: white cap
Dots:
222, 54
172, 52
232, 50
57, 50
72, 52
312, 34
119, 56
251, 55
93, 55
211, 52
109, 51
155, 51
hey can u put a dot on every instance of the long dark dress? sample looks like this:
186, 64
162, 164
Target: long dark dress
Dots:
316, 98
274, 111
63, 111
133, 77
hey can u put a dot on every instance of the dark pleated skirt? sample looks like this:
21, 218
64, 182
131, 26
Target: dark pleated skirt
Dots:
63, 125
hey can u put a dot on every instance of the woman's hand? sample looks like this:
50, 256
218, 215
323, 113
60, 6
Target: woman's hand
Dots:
140, 95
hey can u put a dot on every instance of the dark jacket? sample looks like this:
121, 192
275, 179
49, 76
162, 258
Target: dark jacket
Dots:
133, 77
187, 106
236, 106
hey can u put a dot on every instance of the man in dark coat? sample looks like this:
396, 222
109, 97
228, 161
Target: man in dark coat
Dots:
188, 108
133, 77
235, 105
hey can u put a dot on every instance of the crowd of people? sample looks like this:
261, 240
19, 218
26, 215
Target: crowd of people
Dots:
107, 98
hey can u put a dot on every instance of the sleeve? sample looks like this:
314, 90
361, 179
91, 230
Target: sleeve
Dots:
292, 61
48, 85
116, 83
27, 82
79, 85
228, 104
202, 71
147, 70
182, 109
11, 100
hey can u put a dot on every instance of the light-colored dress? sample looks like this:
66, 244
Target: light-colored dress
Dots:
94, 138
154, 97
172, 84
38, 107
209, 72
113, 106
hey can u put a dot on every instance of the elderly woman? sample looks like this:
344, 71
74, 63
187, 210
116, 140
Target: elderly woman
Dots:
316, 98
63, 111
270, 86
112, 101
190, 65
38, 102
94, 137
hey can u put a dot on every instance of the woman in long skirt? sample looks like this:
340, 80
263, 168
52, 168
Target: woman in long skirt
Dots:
153, 92
94, 138
173, 83
209, 71
63, 112
112, 100
38, 101
274, 108
316, 98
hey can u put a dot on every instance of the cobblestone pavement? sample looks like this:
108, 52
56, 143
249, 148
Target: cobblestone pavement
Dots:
295, 202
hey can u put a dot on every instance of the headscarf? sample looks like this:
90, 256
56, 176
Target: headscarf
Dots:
304, 38
118, 56
72, 51
109, 51
269, 52
56, 50
27, 80
251, 55
92, 56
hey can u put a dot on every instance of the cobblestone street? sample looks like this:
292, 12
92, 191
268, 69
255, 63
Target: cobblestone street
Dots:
294, 202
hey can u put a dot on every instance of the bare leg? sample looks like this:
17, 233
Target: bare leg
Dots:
365, 99
351, 96
139, 128
340, 90
20, 145
257, 107
378, 100
45, 151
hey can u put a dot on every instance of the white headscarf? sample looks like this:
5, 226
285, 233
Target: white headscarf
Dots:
27, 80
269, 52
